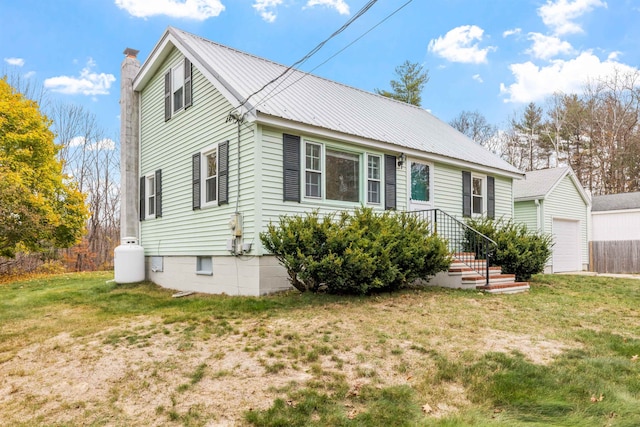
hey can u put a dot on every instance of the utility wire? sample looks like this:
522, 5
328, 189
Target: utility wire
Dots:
269, 95
315, 50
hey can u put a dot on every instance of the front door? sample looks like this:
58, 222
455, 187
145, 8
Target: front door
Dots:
420, 185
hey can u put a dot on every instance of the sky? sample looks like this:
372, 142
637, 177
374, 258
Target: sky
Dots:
493, 56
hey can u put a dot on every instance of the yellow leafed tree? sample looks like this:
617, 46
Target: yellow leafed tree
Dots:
40, 208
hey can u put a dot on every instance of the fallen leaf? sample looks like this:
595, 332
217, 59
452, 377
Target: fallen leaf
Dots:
427, 409
634, 358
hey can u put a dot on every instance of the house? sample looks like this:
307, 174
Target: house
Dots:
554, 202
218, 143
615, 225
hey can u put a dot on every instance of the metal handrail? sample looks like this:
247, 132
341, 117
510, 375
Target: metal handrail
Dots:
463, 241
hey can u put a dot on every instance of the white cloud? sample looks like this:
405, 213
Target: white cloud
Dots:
18, 62
546, 47
103, 144
512, 32
533, 83
458, 45
76, 141
88, 83
29, 74
477, 78
266, 8
106, 144
340, 5
560, 14
198, 10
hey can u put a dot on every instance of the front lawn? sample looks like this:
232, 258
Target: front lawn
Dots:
79, 350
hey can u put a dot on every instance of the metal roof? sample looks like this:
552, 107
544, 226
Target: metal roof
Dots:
616, 202
540, 183
308, 99
537, 184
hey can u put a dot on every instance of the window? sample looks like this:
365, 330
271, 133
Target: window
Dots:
313, 174
177, 87
343, 176
315, 171
204, 265
151, 196
210, 169
373, 179
477, 195
210, 176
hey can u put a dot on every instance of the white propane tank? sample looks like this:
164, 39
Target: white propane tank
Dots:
128, 261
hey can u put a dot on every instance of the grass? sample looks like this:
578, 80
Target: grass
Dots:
566, 353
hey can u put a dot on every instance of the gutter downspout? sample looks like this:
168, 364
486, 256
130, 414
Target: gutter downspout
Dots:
537, 202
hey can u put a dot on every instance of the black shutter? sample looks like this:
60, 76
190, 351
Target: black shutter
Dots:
291, 167
195, 178
491, 197
223, 173
158, 193
167, 96
142, 196
390, 182
466, 194
188, 87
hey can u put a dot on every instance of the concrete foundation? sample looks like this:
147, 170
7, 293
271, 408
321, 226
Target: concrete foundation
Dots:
251, 276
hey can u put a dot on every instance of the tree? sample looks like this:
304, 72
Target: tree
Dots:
412, 78
40, 208
474, 125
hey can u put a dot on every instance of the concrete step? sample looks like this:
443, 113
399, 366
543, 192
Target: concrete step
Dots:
505, 288
494, 279
465, 270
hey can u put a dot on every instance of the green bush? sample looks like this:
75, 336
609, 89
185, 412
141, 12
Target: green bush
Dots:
520, 251
355, 253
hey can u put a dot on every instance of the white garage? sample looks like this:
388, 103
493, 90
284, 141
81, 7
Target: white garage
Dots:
567, 254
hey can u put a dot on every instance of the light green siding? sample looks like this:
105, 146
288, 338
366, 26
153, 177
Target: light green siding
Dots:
526, 213
169, 146
447, 191
271, 175
565, 202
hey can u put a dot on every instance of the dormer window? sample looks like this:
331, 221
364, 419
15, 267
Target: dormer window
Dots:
178, 88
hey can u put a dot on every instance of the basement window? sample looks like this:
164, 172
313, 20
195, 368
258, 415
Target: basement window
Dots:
204, 265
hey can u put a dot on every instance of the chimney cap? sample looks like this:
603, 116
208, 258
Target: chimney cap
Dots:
131, 53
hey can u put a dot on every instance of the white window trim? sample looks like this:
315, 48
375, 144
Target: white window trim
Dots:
362, 174
484, 194
180, 66
147, 196
321, 171
379, 179
203, 176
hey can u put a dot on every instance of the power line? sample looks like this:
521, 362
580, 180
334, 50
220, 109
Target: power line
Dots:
315, 50
268, 96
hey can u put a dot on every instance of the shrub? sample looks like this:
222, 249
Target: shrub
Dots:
520, 251
355, 253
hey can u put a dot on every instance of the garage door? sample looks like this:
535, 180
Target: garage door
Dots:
567, 254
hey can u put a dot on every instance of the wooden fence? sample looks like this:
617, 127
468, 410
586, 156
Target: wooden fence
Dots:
616, 256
